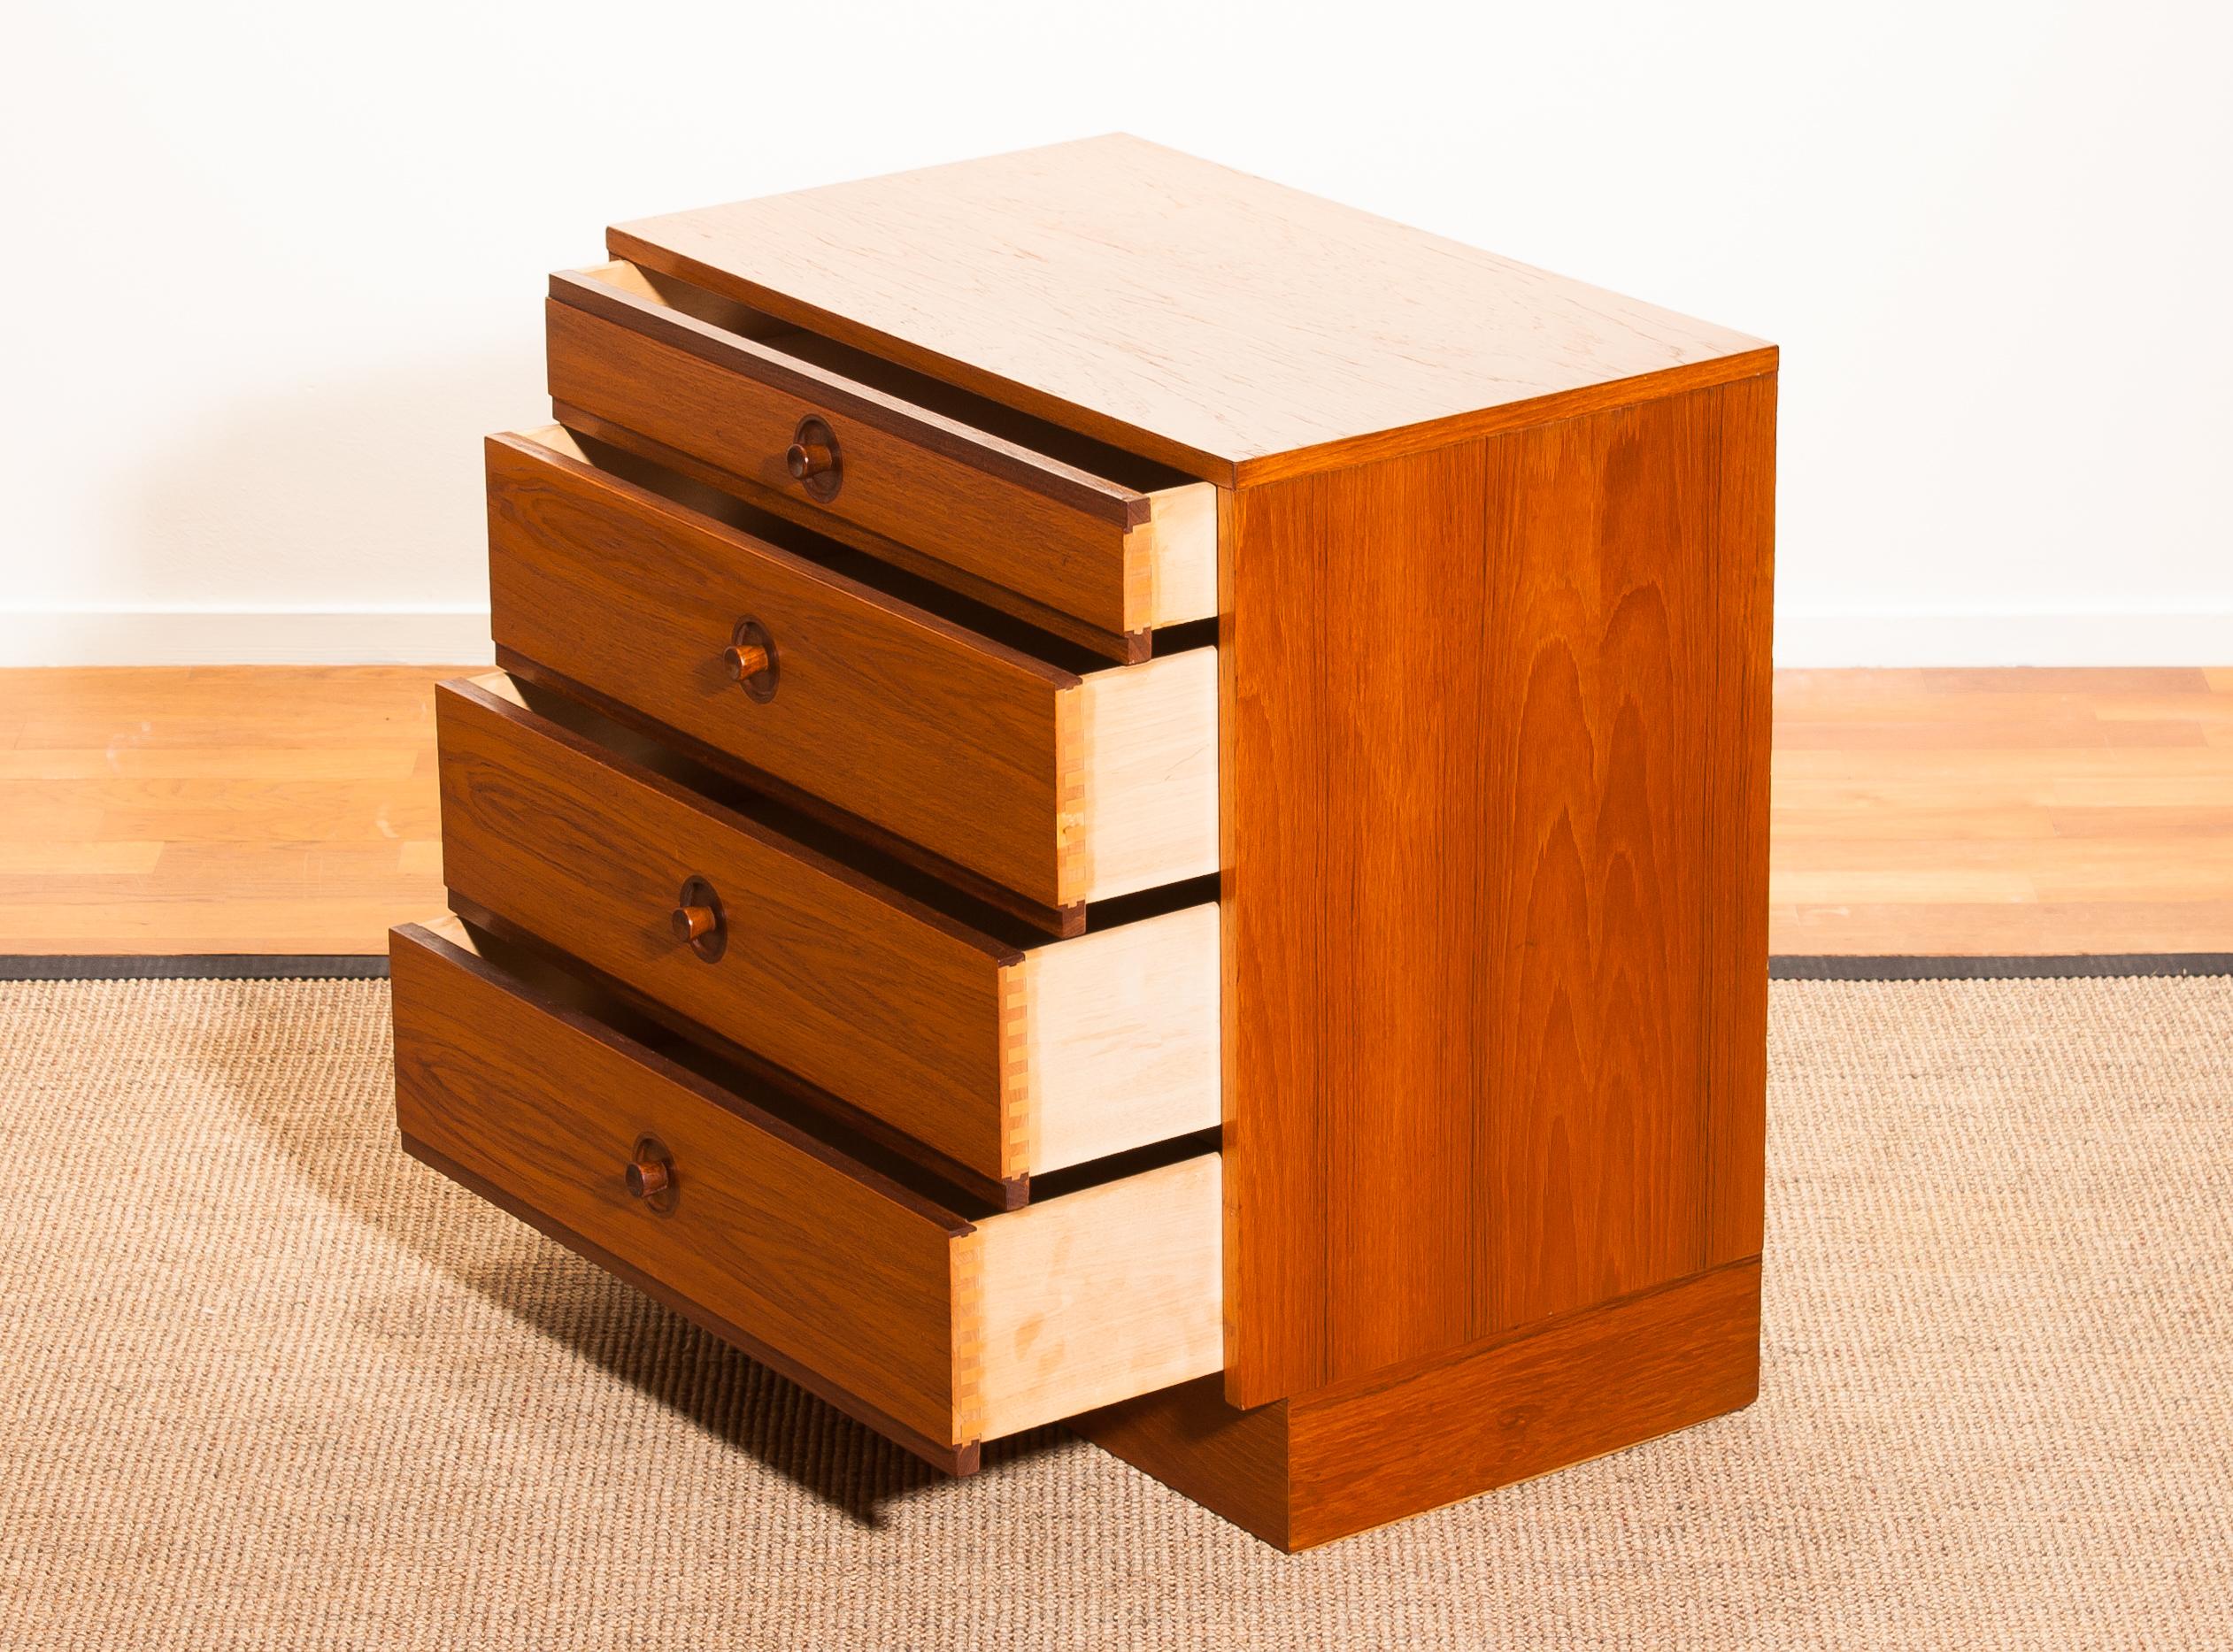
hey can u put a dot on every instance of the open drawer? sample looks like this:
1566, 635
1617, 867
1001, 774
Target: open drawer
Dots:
1065, 532
998, 1055
1041, 779
938, 1326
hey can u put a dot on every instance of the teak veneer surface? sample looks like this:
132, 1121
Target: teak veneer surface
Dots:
1494, 899
1228, 326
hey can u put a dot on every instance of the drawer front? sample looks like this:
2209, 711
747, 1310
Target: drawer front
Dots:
1002, 1061
1119, 559
1060, 789
843, 1273
851, 987
935, 1329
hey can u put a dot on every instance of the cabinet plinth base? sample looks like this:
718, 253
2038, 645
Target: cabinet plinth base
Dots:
1315, 1467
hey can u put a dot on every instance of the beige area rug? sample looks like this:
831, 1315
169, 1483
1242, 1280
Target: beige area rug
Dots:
264, 1382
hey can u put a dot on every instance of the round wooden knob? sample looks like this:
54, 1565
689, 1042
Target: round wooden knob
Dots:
813, 460
648, 1178
806, 460
750, 658
698, 920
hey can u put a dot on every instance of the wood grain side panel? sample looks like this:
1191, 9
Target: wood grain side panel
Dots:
886, 712
1597, 675
820, 1265
1743, 539
1402, 946
1595, 1381
1358, 854
1468, 821
999, 530
853, 990
1272, 699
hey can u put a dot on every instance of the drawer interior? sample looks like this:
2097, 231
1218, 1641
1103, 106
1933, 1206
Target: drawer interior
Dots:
933, 1317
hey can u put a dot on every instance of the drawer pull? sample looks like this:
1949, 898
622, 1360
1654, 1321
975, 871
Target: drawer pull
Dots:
751, 659
814, 459
698, 920
650, 1174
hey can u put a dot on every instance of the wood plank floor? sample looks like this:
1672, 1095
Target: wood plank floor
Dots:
215, 808
273, 808
2003, 812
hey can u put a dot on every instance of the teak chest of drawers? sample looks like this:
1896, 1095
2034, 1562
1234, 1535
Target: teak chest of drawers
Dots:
1116, 793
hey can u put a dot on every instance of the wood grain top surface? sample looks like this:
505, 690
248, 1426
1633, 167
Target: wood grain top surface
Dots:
1233, 327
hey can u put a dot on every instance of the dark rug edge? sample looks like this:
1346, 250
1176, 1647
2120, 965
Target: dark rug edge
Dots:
1832, 967
226, 966
2063, 966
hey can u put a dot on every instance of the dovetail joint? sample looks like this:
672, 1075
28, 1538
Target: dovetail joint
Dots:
1016, 1134
1072, 867
967, 1260
1139, 575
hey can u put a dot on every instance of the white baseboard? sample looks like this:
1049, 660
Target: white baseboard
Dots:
1924, 639
243, 637
460, 637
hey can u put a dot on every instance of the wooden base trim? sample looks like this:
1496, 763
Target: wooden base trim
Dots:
1324, 1465
1592, 1382
952, 1459
1234, 1462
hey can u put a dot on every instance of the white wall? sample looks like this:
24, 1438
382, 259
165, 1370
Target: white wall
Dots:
271, 271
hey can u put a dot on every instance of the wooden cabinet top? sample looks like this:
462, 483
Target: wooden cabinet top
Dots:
1233, 328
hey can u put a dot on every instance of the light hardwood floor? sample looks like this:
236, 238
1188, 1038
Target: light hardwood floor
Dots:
274, 809
215, 808
2003, 812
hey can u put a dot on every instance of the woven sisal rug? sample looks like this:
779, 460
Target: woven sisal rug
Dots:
264, 1382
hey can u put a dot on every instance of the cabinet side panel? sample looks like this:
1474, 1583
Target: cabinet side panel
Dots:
1472, 835
1743, 543
1358, 611
1272, 760
1599, 669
